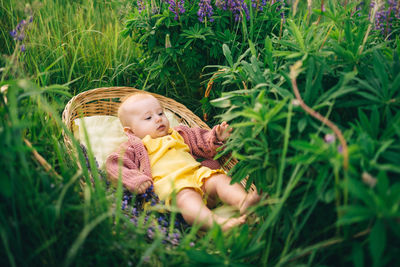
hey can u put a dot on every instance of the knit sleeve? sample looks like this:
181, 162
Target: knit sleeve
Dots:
202, 143
132, 177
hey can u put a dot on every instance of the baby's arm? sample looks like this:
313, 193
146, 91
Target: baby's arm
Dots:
132, 178
203, 143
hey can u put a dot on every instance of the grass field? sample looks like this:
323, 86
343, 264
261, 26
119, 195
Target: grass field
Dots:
333, 197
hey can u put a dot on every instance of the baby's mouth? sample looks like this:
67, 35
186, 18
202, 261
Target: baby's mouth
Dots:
161, 127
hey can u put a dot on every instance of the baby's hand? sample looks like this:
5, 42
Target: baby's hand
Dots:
222, 131
143, 187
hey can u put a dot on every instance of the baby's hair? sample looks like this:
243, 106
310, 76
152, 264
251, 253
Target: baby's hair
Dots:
139, 95
124, 98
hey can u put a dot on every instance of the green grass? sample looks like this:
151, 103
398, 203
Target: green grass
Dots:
75, 43
55, 219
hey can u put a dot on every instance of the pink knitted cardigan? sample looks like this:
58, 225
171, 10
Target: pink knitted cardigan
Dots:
135, 167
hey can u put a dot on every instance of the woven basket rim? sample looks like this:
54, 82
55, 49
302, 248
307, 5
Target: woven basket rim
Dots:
104, 101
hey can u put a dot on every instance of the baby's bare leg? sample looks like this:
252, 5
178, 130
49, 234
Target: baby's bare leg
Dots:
194, 210
232, 194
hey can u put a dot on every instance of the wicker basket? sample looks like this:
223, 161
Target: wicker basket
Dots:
106, 100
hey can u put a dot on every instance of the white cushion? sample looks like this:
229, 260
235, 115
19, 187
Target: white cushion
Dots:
105, 134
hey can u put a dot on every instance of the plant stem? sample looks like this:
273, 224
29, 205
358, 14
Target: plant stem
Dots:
322, 8
293, 74
326, 37
184, 77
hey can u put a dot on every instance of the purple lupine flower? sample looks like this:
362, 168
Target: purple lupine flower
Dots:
18, 34
385, 16
154, 7
21, 25
205, 10
141, 6
13, 34
150, 233
280, 8
221, 4
236, 7
176, 7
21, 36
358, 8
258, 5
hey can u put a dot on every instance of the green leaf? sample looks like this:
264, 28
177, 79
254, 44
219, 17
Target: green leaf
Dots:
252, 48
354, 214
359, 190
268, 53
301, 125
203, 257
296, 33
222, 102
250, 251
380, 71
227, 54
306, 146
358, 255
377, 242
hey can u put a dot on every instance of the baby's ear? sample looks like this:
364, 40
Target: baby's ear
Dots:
128, 130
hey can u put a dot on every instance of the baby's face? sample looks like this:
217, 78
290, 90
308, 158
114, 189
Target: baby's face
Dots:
145, 116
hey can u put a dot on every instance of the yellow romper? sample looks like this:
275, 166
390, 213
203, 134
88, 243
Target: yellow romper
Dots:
173, 167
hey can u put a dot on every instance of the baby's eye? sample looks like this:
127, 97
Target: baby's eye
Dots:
161, 113
147, 118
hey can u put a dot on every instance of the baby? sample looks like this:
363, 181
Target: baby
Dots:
156, 154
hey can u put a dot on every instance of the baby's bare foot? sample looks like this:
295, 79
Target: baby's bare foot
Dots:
251, 199
228, 223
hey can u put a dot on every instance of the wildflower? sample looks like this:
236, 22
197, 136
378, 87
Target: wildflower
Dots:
19, 32
154, 7
220, 4
236, 7
141, 6
385, 15
340, 149
257, 5
368, 179
13, 34
174, 242
191, 244
150, 233
167, 41
124, 203
205, 10
295, 102
280, 8
21, 37
359, 8
176, 7
329, 138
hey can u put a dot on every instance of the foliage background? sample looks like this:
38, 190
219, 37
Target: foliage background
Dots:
317, 208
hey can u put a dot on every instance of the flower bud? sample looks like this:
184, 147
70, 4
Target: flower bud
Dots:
329, 138
167, 41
